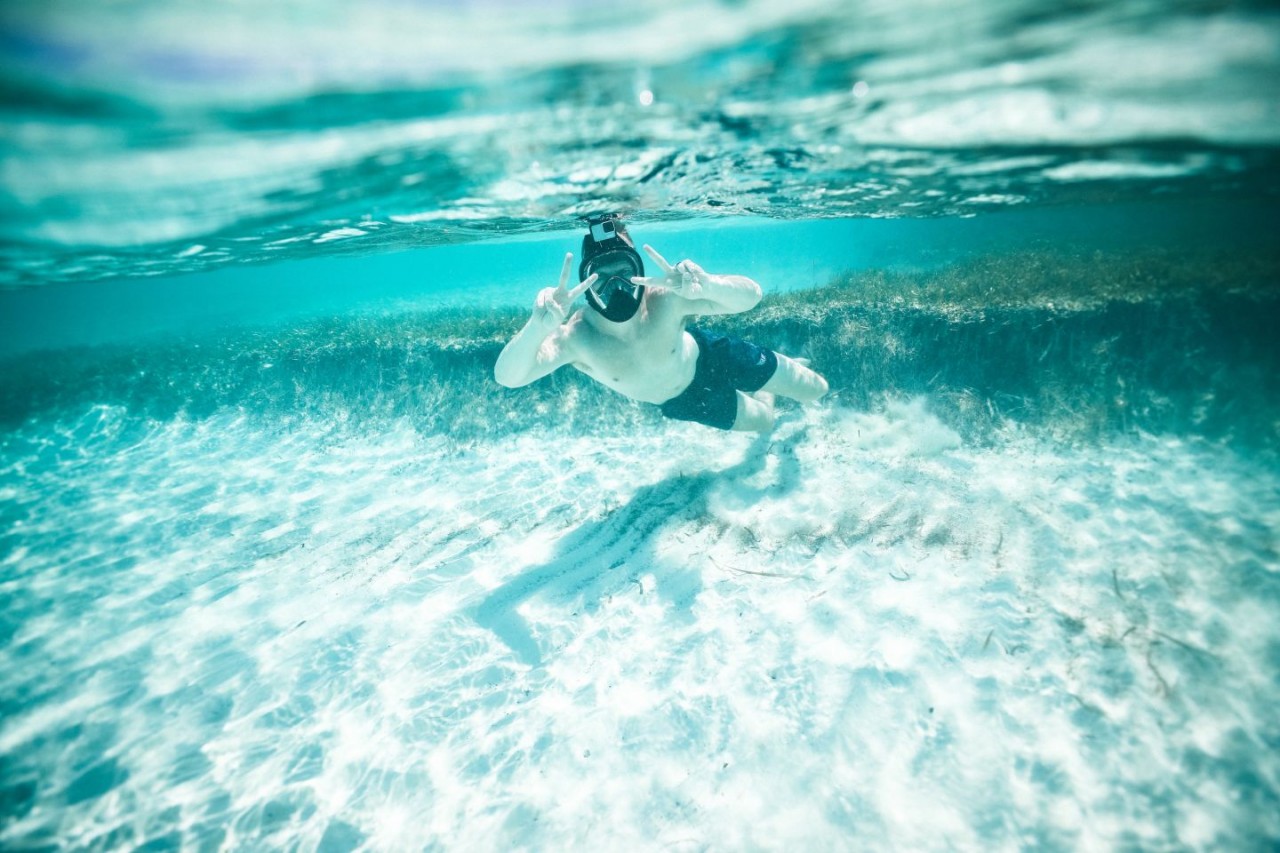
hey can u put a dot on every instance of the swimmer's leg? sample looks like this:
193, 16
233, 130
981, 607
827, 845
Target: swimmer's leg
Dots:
795, 380
755, 412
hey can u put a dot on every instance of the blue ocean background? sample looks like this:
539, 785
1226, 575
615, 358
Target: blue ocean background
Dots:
283, 567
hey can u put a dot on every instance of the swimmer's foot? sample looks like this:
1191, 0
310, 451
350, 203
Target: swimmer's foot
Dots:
764, 397
802, 361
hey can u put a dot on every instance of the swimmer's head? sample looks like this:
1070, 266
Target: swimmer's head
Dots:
607, 251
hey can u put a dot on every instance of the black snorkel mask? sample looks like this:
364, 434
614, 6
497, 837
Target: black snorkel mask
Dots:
608, 253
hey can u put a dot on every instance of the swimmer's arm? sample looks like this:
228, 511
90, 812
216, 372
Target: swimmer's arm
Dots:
541, 346
531, 355
702, 292
723, 294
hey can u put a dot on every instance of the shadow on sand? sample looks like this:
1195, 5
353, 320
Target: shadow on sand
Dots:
604, 556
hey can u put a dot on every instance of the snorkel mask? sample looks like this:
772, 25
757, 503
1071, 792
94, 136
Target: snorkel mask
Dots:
608, 252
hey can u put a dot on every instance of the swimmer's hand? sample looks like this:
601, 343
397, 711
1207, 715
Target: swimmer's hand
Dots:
686, 279
551, 308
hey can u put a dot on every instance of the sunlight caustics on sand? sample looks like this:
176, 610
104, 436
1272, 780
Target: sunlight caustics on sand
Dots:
858, 625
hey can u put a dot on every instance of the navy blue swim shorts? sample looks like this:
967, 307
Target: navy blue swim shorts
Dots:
725, 366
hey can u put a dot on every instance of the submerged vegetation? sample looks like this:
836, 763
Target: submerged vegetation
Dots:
1077, 344
1080, 344
1056, 280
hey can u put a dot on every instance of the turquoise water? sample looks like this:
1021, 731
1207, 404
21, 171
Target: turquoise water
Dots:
284, 568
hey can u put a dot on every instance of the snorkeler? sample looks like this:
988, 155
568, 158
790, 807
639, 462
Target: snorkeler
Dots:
635, 338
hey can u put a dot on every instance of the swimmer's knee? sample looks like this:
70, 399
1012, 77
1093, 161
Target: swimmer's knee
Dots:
755, 423
794, 379
753, 415
809, 378
820, 385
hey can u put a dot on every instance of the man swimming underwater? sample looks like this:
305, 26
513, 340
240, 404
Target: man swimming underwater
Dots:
635, 338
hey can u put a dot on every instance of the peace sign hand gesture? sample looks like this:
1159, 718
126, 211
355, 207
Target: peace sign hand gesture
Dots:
686, 279
551, 308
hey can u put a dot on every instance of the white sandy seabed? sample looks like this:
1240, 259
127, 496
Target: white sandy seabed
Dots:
855, 633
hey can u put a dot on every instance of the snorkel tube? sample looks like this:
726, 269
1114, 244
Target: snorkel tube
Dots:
607, 251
